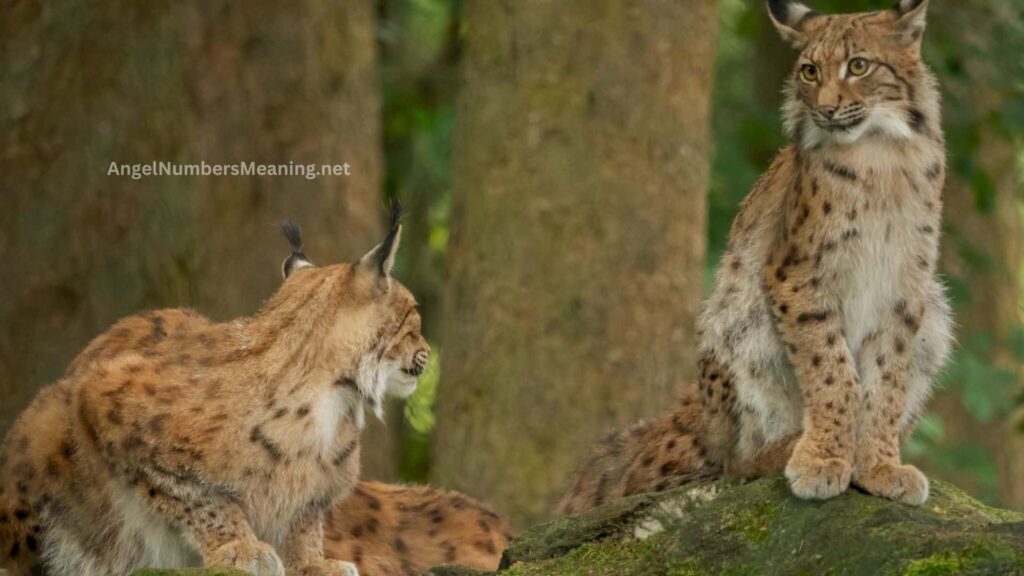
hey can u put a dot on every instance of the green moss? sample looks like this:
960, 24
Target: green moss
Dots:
624, 557
939, 565
755, 523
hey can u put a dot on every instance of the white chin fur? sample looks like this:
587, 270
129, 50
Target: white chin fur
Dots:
881, 121
377, 379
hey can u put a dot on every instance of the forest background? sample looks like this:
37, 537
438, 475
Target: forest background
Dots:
570, 170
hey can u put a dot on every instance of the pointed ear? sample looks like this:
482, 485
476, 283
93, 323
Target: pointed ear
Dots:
910, 20
790, 19
381, 260
298, 258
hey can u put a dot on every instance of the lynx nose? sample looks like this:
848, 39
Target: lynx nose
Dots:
419, 363
828, 111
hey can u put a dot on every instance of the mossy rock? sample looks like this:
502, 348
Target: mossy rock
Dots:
755, 528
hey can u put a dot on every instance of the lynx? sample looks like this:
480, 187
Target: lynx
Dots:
390, 530
827, 323
175, 441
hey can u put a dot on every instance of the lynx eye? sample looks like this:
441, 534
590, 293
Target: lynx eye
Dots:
809, 72
858, 67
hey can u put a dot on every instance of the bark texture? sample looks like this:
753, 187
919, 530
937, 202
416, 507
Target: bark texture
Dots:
577, 246
86, 84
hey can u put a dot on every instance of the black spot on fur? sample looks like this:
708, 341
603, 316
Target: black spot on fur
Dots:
400, 546
344, 455
843, 172
273, 450
806, 317
917, 120
933, 172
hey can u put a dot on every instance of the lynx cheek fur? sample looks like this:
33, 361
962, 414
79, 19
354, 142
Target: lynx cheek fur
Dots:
827, 316
175, 441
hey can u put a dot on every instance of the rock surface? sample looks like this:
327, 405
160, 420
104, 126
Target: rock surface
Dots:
725, 529
759, 528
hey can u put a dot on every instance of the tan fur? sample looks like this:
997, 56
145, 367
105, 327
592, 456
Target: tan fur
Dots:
827, 323
173, 440
651, 455
389, 530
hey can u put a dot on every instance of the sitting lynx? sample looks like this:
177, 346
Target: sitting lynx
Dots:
175, 441
827, 324
388, 530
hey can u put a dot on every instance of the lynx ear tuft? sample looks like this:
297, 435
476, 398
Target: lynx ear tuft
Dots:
790, 19
910, 20
297, 259
381, 260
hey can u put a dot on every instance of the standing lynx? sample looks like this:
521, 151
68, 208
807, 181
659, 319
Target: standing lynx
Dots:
174, 441
827, 323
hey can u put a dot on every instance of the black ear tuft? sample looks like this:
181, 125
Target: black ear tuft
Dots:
779, 10
294, 235
297, 259
387, 247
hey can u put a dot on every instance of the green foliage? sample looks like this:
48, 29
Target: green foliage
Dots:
414, 465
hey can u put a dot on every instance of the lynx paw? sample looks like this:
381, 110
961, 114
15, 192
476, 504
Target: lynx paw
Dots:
257, 558
813, 478
903, 483
329, 568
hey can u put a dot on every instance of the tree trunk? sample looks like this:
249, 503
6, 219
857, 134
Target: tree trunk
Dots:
87, 84
577, 240
982, 249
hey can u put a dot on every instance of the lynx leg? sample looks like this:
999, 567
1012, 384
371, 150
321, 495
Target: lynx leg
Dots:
219, 529
821, 464
886, 362
304, 550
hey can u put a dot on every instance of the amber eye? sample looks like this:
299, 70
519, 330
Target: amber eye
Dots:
809, 72
858, 67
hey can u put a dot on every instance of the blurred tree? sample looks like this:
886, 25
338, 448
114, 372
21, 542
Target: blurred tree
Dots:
982, 249
577, 241
86, 84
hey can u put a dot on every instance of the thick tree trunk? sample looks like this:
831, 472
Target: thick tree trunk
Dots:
581, 169
982, 249
86, 84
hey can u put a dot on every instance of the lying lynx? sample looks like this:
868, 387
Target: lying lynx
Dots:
827, 323
389, 530
175, 441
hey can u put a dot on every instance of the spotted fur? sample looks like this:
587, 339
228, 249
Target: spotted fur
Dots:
175, 441
827, 323
389, 530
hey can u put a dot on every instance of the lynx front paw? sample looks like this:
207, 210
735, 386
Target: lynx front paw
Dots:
813, 478
329, 568
903, 483
257, 558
